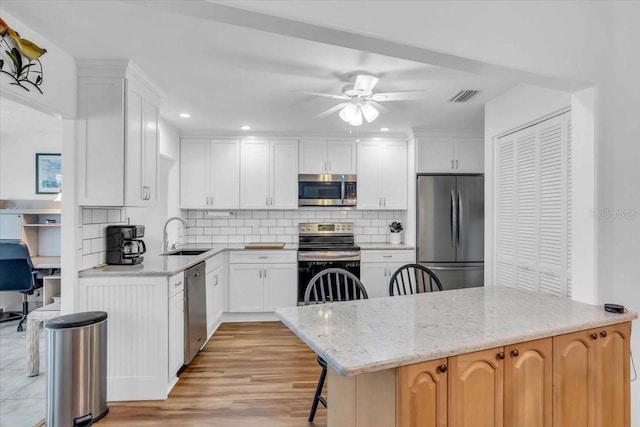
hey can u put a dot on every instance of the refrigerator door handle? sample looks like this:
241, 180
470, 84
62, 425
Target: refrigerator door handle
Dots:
460, 216
454, 219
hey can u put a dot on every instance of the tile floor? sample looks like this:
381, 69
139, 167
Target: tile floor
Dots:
21, 397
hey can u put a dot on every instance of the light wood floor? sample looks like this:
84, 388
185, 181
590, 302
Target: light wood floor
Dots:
249, 374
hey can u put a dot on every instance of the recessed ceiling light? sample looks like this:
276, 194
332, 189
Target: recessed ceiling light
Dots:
384, 129
246, 127
185, 115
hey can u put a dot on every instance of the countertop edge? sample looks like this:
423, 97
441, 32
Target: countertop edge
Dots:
453, 350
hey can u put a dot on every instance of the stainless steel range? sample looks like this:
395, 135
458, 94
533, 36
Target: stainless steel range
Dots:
325, 245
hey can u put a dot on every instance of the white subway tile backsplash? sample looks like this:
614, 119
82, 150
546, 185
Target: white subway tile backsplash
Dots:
90, 231
86, 216
98, 216
266, 226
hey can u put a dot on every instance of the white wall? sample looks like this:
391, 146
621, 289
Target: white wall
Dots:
59, 82
18, 159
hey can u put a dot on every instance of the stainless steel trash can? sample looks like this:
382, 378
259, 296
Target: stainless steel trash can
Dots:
76, 369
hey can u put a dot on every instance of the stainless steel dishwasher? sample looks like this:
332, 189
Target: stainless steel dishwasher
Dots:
195, 312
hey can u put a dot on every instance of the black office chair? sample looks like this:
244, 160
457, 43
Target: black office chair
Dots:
17, 275
414, 279
330, 285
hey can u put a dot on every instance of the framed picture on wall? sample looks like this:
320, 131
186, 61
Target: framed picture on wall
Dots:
48, 173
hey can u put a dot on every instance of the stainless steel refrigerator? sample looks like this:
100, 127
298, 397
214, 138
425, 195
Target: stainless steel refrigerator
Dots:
450, 228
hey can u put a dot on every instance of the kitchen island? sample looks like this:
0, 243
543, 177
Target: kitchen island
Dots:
488, 356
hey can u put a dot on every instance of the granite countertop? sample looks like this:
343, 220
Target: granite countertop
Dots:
163, 265
384, 246
382, 333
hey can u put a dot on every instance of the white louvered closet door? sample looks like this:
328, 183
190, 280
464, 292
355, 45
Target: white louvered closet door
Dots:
569, 205
533, 207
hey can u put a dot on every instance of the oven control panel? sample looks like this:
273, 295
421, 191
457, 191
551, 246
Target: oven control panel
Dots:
325, 228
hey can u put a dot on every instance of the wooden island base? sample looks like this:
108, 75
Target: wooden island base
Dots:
579, 379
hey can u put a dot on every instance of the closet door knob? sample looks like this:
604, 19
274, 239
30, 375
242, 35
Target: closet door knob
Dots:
594, 336
603, 334
515, 353
442, 368
500, 356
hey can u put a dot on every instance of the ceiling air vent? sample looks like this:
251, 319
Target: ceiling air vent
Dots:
463, 96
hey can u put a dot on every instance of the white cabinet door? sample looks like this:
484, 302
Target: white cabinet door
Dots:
313, 156
213, 285
245, 288
469, 155
254, 174
369, 175
394, 183
176, 333
101, 141
435, 154
341, 157
195, 165
150, 153
225, 174
11, 226
374, 278
135, 193
280, 286
284, 175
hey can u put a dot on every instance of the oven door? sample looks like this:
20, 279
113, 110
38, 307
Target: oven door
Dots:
312, 263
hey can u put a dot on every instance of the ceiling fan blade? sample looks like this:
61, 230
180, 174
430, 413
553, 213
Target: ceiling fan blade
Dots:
326, 95
365, 83
379, 106
407, 95
331, 110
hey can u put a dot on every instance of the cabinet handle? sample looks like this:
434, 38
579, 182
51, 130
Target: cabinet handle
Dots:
384, 201
263, 257
325, 166
266, 201
178, 284
329, 165
500, 356
515, 353
265, 273
442, 368
387, 256
452, 164
216, 282
456, 164
594, 336
603, 334
260, 273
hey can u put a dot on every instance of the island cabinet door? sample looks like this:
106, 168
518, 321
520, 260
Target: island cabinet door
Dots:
591, 378
476, 382
422, 394
528, 384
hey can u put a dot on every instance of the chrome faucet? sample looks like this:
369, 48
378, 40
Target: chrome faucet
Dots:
165, 243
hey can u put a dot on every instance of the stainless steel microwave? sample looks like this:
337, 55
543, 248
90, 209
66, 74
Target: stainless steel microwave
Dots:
327, 190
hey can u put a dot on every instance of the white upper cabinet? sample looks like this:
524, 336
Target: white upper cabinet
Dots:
327, 157
210, 174
450, 154
141, 157
117, 134
382, 175
269, 174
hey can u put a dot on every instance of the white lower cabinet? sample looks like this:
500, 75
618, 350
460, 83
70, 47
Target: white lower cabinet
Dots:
262, 281
215, 281
176, 325
377, 267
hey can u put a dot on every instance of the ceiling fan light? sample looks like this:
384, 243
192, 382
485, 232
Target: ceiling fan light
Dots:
369, 112
356, 118
349, 112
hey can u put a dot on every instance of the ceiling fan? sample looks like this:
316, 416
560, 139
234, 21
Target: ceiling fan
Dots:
361, 103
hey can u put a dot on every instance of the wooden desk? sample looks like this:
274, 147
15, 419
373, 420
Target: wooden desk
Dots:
44, 262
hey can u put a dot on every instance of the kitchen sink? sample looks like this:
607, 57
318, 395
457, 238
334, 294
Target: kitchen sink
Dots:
188, 252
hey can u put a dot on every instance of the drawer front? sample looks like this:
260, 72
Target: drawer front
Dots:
176, 284
402, 256
213, 263
262, 257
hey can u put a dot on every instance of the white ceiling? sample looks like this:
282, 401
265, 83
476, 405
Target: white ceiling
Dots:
227, 76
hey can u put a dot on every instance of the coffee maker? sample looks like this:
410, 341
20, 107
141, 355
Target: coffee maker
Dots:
124, 244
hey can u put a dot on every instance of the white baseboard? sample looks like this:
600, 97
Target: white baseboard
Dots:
249, 317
